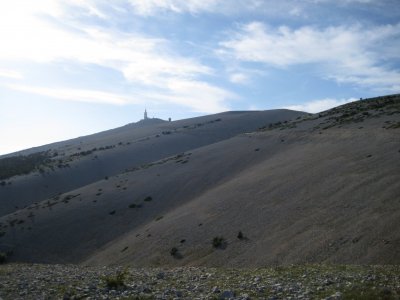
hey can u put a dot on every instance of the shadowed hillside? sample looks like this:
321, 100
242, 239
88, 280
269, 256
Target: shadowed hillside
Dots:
317, 188
61, 167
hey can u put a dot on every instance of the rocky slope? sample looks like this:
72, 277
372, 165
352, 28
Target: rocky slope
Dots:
292, 282
320, 188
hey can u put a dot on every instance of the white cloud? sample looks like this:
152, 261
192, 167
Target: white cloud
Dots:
239, 78
285, 8
149, 7
197, 95
138, 57
342, 2
147, 63
81, 95
225, 7
152, 7
10, 74
346, 54
316, 106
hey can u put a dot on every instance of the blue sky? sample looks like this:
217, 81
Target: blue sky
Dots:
71, 68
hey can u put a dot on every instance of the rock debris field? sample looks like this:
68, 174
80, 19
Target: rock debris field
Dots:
24, 281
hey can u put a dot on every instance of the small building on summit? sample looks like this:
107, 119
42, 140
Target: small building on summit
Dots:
148, 121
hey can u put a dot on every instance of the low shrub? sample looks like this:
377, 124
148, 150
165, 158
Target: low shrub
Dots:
3, 257
117, 281
219, 242
174, 251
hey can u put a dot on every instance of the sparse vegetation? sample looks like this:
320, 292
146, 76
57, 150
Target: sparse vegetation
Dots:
240, 235
84, 153
22, 164
284, 282
3, 257
219, 242
173, 251
117, 281
368, 292
69, 197
148, 199
394, 126
353, 112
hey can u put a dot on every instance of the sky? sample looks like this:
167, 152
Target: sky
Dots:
69, 68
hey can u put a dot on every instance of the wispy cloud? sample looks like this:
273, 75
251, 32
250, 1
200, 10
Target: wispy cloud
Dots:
81, 95
345, 54
283, 8
149, 7
200, 96
319, 105
226, 7
196, 95
33, 35
239, 78
10, 74
138, 57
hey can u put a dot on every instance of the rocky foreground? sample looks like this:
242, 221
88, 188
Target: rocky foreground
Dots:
23, 281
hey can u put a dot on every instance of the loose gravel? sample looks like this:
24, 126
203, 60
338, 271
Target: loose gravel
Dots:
26, 281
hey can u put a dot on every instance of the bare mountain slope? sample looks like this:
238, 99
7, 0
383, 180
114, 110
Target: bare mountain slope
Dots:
326, 191
323, 188
76, 163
